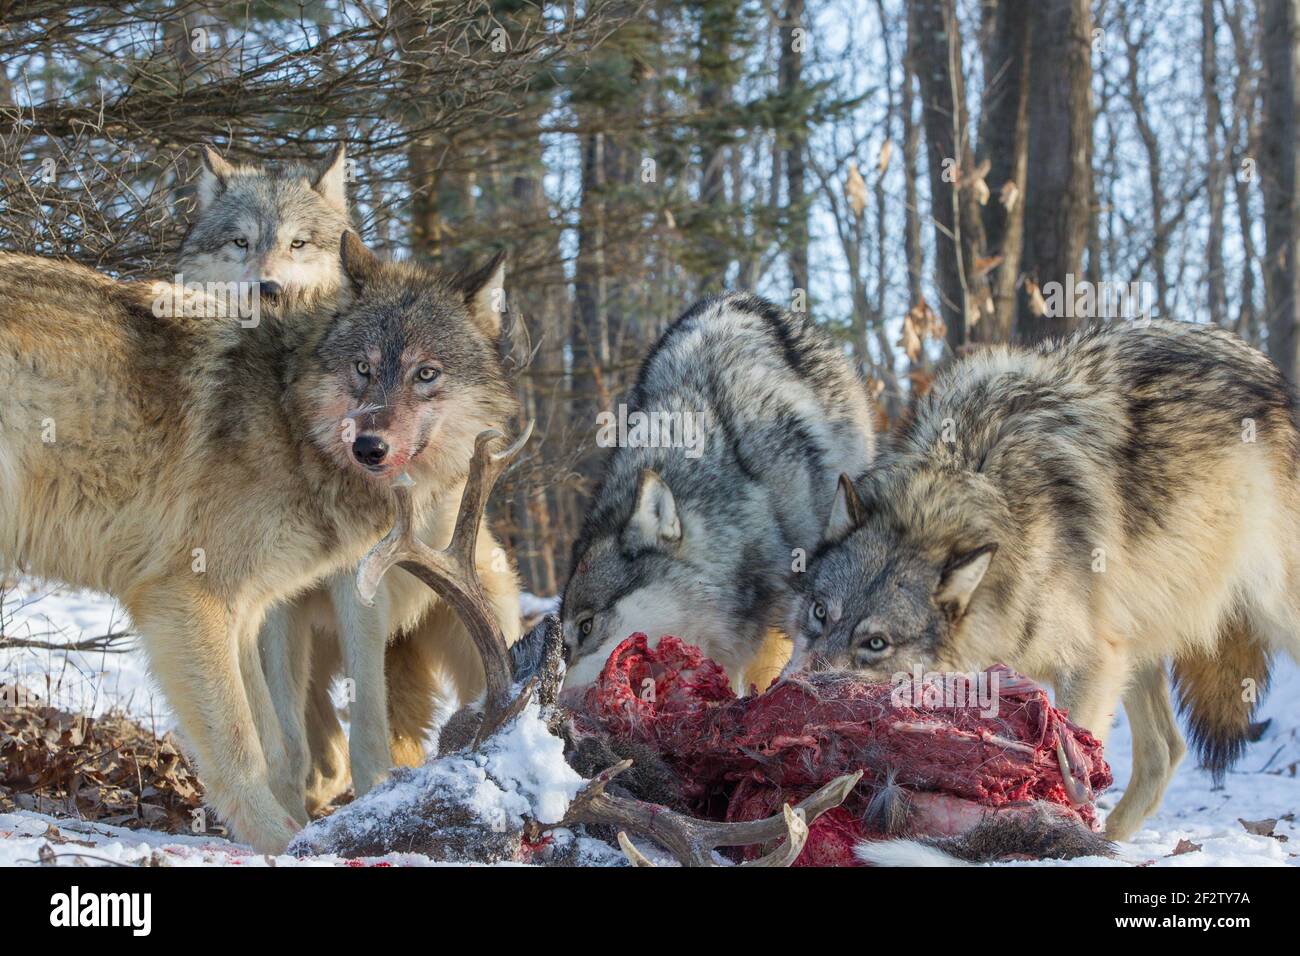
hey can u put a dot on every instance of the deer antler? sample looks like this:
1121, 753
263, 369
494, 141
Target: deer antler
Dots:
692, 841
452, 572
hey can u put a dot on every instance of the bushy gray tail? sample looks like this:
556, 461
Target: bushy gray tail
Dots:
1212, 695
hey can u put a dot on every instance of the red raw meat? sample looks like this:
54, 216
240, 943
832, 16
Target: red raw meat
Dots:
741, 759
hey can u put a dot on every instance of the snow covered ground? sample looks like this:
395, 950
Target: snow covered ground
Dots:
1265, 785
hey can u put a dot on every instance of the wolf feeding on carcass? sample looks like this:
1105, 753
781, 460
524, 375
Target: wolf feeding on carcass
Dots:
676, 759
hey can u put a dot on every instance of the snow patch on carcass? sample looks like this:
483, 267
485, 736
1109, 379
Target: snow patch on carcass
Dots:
527, 763
518, 774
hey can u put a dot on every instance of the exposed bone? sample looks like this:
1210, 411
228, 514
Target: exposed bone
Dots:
692, 841
452, 572
1078, 792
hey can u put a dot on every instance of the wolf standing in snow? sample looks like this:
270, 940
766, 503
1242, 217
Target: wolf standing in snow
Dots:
699, 537
410, 655
198, 470
1086, 513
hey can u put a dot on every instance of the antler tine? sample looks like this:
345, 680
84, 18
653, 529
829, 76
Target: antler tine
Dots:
692, 841
453, 573
399, 544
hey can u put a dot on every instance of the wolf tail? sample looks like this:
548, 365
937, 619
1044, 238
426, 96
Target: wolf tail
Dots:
1043, 834
1218, 691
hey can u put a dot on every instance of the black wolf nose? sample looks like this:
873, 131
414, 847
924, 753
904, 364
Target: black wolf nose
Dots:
270, 288
369, 449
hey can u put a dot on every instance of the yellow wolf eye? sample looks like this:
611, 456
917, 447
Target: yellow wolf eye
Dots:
584, 628
363, 369
240, 243
297, 243
427, 374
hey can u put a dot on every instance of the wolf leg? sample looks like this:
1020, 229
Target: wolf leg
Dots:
192, 647
1157, 750
418, 695
1091, 694
363, 636
281, 774
285, 651
327, 773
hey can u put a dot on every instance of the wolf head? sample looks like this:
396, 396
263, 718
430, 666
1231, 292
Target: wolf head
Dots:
409, 367
894, 583
279, 227
661, 568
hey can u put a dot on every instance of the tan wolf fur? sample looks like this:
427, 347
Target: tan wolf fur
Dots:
194, 469
1087, 513
254, 224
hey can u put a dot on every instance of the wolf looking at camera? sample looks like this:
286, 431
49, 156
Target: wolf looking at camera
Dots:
409, 658
1087, 513
194, 469
699, 537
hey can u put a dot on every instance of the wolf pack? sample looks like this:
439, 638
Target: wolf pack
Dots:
1103, 514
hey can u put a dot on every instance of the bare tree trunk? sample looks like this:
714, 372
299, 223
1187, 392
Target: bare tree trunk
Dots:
589, 337
791, 85
1058, 181
959, 229
718, 24
1281, 33
1004, 142
911, 158
1151, 145
1242, 140
1215, 279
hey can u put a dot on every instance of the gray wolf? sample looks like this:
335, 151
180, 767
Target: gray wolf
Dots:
201, 471
278, 227
1086, 513
264, 225
697, 528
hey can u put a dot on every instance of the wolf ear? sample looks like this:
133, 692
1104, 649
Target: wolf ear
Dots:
654, 520
331, 181
359, 263
847, 511
213, 177
484, 291
961, 576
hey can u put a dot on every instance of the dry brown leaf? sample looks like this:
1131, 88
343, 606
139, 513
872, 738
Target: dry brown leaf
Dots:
976, 184
1009, 195
911, 339
1036, 303
855, 189
1184, 847
986, 264
1262, 828
886, 151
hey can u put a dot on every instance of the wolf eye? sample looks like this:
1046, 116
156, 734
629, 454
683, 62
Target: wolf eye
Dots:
819, 611
297, 243
876, 643
240, 243
427, 374
585, 625
363, 369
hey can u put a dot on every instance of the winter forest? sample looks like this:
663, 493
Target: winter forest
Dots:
908, 182
920, 176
